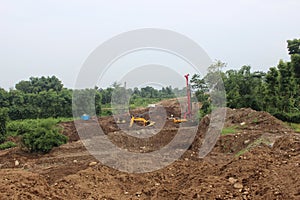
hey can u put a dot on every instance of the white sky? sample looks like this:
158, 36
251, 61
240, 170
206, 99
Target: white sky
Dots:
54, 37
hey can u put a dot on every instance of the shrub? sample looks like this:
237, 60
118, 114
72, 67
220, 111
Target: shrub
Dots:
39, 135
2, 138
106, 113
3, 119
288, 117
20, 127
43, 140
7, 145
15, 128
295, 126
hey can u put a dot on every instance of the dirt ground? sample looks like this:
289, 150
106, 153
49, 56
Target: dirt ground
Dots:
259, 161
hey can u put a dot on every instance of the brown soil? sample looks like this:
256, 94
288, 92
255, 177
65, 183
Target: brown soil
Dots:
259, 161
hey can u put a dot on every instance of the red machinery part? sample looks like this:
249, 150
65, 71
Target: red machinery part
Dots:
188, 113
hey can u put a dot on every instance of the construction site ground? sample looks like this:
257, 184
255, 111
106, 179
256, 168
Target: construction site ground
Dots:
260, 160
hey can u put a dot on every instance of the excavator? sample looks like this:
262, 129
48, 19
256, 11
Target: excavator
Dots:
140, 119
176, 120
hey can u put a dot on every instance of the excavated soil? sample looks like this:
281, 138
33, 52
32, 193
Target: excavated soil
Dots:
258, 161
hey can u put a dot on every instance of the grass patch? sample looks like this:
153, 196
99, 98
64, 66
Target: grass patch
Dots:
255, 120
38, 135
142, 102
252, 145
295, 127
134, 103
7, 145
241, 152
19, 127
229, 130
64, 119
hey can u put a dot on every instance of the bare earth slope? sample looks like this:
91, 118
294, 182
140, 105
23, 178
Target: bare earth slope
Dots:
260, 161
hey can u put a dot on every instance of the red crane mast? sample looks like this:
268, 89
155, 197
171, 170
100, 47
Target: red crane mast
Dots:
188, 113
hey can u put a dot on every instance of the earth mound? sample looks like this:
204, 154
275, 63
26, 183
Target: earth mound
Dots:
259, 159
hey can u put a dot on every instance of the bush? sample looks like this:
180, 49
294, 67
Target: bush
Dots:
20, 127
15, 128
3, 120
39, 135
106, 113
7, 145
2, 138
295, 118
288, 117
43, 140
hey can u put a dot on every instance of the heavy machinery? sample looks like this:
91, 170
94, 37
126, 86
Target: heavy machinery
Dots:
177, 120
188, 113
140, 119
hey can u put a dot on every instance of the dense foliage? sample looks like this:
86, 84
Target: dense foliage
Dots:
277, 91
37, 98
37, 135
8, 144
3, 120
46, 97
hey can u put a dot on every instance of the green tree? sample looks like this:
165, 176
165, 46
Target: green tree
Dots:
24, 86
287, 87
98, 103
210, 89
293, 46
294, 51
106, 95
4, 102
272, 100
3, 119
36, 85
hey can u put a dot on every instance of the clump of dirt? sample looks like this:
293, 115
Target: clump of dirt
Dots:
173, 106
288, 143
21, 184
252, 120
70, 131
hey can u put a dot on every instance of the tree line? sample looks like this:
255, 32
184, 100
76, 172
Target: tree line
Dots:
276, 91
44, 97
28, 111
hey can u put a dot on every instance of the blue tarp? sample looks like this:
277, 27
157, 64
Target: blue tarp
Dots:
85, 117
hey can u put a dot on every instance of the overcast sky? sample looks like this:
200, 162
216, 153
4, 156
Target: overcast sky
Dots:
55, 37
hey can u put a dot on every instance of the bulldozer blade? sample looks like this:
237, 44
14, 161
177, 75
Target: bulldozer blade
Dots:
151, 124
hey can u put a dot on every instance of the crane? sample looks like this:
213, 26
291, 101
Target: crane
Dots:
188, 113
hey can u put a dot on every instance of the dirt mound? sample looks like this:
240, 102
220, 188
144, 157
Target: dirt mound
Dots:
21, 184
255, 120
260, 160
250, 126
173, 106
70, 131
288, 143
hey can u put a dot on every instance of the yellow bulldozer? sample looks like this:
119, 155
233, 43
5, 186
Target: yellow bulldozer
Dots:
177, 120
141, 119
